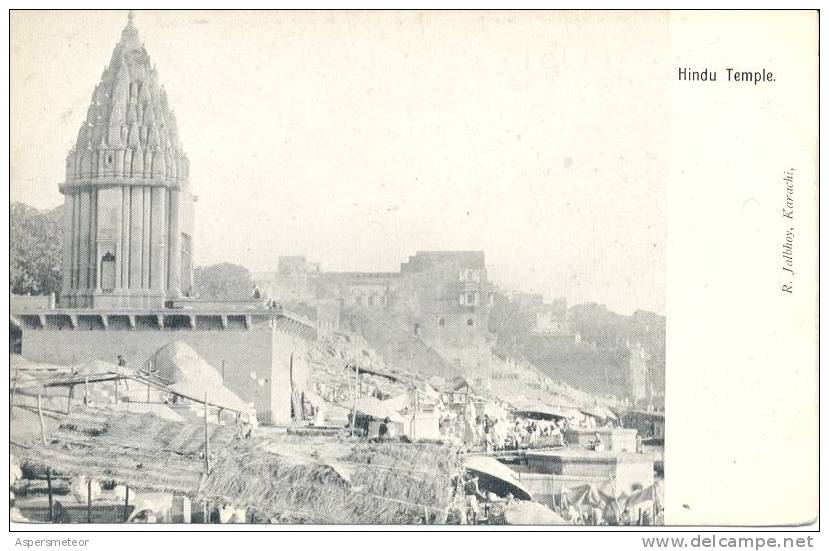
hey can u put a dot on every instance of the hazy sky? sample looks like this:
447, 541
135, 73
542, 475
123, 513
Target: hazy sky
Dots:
359, 138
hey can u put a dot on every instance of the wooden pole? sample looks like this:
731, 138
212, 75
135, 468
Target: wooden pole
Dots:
206, 439
71, 388
117, 381
414, 415
127, 504
356, 392
89, 500
14, 388
86, 390
40, 418
49, 491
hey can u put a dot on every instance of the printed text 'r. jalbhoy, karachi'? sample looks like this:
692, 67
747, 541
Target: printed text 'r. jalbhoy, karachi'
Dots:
788, 215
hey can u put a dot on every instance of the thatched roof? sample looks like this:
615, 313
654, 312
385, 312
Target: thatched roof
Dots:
143, 451
292, 479
367, 483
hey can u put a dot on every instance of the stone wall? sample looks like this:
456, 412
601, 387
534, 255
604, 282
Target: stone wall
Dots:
261, 349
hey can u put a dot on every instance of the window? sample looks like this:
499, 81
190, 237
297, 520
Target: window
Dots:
371, 300
470, 299
358, 300
469, 322
108, 271
416, 329
441, 322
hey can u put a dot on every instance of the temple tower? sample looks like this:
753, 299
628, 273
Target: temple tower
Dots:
128, 210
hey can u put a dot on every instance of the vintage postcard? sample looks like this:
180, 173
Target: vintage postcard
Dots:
550, 269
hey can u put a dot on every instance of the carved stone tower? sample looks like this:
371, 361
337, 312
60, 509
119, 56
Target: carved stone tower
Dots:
128, 210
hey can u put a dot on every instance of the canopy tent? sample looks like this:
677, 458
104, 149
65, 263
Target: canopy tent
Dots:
399, 402
586, 494
645, 496
497, 473
372, 407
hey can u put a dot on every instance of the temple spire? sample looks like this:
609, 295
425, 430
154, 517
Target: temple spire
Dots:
129, 36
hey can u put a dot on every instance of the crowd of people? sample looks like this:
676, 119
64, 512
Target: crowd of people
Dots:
609, 515
493, 433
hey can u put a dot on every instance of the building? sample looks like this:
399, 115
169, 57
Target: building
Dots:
441, 299
128, 244
128, 209
450, 301
639, 386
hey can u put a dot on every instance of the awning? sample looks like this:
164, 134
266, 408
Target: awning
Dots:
599, 412
217, 395
494, 469
541, 410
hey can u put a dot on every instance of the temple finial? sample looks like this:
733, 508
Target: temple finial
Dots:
130, 16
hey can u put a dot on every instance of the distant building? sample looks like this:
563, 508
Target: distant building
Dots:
440, 297
639, 386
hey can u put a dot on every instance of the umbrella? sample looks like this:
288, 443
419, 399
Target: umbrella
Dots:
497, 471
530, 512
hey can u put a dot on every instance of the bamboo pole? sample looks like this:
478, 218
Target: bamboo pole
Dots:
206, 439
14, 389
40, 418
71, 388
49, 491
356, 393
89, 500
127, 504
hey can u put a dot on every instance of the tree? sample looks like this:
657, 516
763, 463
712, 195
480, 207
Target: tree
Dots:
35, 244
223, 281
